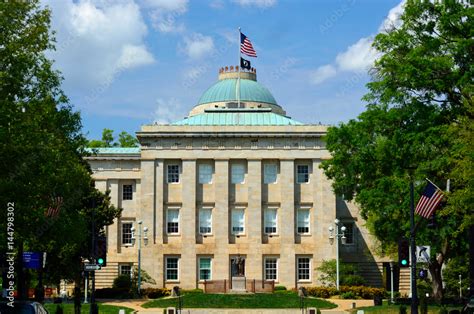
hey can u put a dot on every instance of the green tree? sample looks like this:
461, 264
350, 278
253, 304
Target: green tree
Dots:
108, 140
41, 145
419, 96
127, 140
348, 274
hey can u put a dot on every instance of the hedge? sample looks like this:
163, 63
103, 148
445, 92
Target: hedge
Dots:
358, 291
155, 293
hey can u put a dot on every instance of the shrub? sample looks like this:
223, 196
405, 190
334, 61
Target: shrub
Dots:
155, 293
123, 282
348, 295
443, 310
353, 280
321, 292
59, 309
357, 291
279, 288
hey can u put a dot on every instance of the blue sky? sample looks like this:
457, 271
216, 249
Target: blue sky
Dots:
134, 62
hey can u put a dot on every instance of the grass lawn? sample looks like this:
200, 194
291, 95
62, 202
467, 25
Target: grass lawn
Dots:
259, 300
103, 309
394, 309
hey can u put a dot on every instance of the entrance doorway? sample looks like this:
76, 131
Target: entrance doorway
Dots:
237, 266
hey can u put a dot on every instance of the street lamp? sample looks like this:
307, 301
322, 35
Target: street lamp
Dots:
145, 239
337, 235
86, 284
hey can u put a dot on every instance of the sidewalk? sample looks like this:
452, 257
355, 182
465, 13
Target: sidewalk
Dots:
342, 305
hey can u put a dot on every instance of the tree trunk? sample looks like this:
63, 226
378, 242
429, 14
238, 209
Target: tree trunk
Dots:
437, 280
435, 271
77, 294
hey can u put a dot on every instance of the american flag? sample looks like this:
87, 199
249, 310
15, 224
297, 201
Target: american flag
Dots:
246, 46
54, 206
429, 200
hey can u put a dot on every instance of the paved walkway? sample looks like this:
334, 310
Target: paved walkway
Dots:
342, 305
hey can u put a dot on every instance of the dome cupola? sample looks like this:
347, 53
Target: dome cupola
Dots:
224, 93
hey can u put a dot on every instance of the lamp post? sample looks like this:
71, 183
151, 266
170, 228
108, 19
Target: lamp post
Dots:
86, 284
335, 234
391, 283
145, 239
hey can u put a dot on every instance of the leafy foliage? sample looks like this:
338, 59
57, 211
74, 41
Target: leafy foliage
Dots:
418, 124
124, 140
42, 148
347, 273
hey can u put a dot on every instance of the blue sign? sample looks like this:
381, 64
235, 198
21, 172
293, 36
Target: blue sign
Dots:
32, 260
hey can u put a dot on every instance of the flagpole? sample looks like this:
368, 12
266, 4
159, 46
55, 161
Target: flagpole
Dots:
239, 65
433, 184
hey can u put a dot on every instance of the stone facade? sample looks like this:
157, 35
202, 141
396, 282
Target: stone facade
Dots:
190, 146
184, 185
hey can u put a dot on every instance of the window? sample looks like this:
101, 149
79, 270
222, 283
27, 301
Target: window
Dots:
205, 221
172, 268
127, 233
303, 271
172, 221
127, 192
270, 173
237, 173
205, 268
270, 220
173, 173
271, 268
238, 221
205, 173
302, 174
349, 233
303, 221
125, 269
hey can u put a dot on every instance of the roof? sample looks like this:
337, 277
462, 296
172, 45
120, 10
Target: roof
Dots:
261, 116
226, 90
113, 150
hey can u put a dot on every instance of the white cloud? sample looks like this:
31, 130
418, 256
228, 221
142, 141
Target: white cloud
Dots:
134, 56
95, 43
164, 15
360, 56
197, 45
256, 3
393, 18
322, 73
357, 57
168, 111
217, 4
168, 5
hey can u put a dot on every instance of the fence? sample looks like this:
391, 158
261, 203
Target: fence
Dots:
251, 285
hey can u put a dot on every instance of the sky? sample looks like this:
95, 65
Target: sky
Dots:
134, 62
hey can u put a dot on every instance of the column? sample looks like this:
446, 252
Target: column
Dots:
188, 262
254, 261
145, 214
287, 229
220, 220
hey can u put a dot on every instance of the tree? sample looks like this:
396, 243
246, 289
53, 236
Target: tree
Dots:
124, 140
127, 140
41, 144
348, 274
419, 97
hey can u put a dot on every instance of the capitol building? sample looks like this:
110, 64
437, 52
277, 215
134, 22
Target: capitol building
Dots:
232, 192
